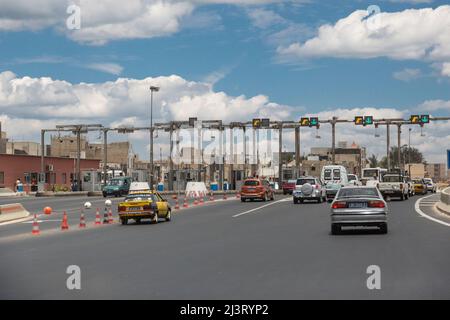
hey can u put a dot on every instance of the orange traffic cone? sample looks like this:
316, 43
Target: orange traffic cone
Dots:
177, 204
201, 199
185, 203
110, 216
64, 224
224, 196
82, 221
97, 217
195, 201
211, 197
238, 195
35, 229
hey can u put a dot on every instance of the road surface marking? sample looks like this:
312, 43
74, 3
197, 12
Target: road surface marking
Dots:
258, 208
423, 214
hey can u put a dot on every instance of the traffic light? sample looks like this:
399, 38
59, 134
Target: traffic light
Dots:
424, 118
256, 123
265, 123
415, 119
314, 122
359, 121
304, 122
368, 121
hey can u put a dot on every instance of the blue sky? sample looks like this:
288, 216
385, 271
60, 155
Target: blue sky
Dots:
234, 47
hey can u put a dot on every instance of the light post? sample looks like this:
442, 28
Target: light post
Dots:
409, 151
152, 89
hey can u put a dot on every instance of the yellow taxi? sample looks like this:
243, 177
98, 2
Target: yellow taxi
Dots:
142, 203
419, 186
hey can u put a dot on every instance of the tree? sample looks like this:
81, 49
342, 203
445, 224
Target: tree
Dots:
407, 155
373, 161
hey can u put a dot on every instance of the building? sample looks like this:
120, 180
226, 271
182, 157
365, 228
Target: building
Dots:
437, 171
24, 148
59, 172
416, 170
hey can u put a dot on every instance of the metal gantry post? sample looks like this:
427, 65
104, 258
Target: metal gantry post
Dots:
78, 173
333, 140
222, 157
105, 156
399, 137
388, 144
280, 155
170, 157
42, 179
231, 173
244, 129
297, 150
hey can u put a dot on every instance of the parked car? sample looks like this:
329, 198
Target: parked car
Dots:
256, 188
431, 186
288, 186
359, 206
309, 188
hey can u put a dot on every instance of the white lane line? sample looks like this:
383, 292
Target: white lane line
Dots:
423, 214
261, 207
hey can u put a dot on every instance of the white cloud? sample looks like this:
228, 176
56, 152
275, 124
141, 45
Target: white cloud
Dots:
264, 18
112, 68
413, 34
446, 69
29, 104
407, 74
109, 20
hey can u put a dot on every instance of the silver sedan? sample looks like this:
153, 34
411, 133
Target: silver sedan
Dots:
358, 207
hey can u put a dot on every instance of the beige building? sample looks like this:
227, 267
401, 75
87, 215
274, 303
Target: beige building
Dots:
66, 147
437, 171
417, 170
23, 147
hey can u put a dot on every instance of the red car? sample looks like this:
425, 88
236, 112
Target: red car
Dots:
289, 186
255, 188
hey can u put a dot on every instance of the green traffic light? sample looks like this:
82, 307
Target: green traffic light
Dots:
425, 118
368, 120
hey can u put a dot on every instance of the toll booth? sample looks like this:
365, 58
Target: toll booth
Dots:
91, 180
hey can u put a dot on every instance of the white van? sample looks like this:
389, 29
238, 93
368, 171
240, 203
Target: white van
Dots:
334, 177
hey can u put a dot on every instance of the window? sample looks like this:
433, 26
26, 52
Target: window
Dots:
336, 174
327, 174
2, 177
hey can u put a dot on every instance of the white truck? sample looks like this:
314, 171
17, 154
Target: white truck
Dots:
394, 186
372, 176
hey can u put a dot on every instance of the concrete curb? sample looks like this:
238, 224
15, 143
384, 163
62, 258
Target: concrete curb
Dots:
444, 208
13, 211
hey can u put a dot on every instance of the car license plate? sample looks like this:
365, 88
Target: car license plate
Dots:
134, 208
357, 205
389, 191
251, 189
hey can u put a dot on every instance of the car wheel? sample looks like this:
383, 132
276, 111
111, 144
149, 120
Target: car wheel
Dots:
384, 228
335, 229
402, 197
301, 200
104, 195
295, 201
124, 221
319, 200
138, 221
169, 216
243, 199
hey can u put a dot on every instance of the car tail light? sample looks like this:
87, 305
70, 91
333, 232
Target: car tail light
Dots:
376, 204
339, 205
316, 186
122, 208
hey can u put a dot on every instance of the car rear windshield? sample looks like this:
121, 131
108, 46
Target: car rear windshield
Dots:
301, 182
337, 174
392, 179
116, 182
252, 183
327, 174
141, 197
351, 177
358, 192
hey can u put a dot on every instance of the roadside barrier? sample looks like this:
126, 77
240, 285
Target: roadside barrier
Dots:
35, 230
13, 211
110, 216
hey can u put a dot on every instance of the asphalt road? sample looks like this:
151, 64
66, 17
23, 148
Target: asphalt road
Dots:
217, 251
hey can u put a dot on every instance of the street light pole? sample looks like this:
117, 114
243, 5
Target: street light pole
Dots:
152, 89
